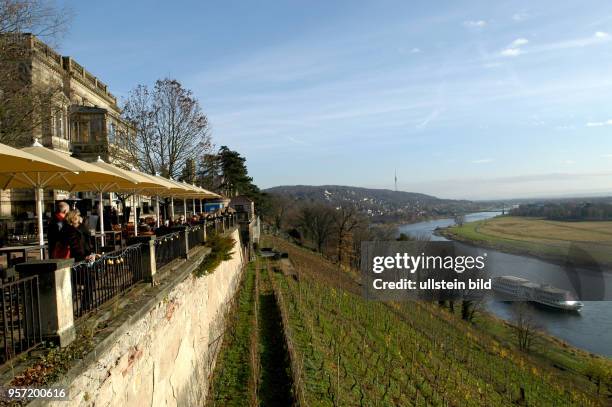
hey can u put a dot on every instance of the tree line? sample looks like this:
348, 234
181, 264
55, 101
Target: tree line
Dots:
566, 211
335, 232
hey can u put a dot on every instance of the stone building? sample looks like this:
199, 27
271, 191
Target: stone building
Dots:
84, 121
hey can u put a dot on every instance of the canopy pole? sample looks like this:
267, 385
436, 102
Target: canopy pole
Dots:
157, 209
101, 215
133, 209
185, 208
201, 206
38, 192
194, 211
172, 207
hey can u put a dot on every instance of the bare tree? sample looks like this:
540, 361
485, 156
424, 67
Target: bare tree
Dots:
459, 219
346, 219
524, 325
170, 127
317, 221
26, 105
279, 206
469, 308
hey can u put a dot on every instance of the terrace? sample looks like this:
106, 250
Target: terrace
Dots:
38, 304
43, 298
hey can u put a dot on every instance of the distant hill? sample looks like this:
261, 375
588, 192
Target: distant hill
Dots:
375, 202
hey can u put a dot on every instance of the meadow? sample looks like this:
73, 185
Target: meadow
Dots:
584, 243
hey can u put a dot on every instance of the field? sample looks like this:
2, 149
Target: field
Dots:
345, 351
581, 243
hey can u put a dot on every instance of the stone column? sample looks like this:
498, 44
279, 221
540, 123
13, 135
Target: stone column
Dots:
149, 266
55, 288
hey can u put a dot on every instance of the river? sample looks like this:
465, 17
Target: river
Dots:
591, 329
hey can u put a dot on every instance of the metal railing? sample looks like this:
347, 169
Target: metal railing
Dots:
169, 247
195, 236
96, 282
21, 329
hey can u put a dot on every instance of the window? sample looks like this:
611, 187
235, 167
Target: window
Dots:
83, 136
59, 125
74, 131
111, 132
95, 128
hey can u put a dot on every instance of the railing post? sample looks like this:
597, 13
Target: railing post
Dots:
149, 266
185, 234
55, 297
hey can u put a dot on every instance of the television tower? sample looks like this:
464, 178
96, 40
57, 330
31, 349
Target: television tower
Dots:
395, 180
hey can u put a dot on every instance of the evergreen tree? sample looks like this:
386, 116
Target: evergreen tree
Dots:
209, 174
189, 171
235, 178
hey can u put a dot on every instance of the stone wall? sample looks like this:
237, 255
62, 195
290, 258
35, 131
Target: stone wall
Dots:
164, 355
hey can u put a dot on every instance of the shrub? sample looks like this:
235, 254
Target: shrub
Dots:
221, 250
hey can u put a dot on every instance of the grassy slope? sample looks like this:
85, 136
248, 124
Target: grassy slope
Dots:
355, 352
232, 379
583, 243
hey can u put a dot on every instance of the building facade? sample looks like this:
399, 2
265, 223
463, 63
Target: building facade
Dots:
84, 119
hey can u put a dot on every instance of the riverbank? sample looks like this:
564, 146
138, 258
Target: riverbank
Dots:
581, 244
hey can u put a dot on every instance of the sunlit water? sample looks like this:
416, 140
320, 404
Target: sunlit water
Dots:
590, 329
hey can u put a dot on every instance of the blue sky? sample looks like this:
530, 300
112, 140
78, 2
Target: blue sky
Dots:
465, 99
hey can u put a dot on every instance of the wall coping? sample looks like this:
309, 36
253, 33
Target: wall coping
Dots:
120, 324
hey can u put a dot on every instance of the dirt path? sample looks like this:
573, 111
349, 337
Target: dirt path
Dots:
276, 385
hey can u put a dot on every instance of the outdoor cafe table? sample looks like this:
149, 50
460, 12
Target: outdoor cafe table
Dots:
24, 250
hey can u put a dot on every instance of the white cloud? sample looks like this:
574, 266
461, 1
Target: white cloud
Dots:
601, 34
511, 52
520, 16
569, 162
599, 124
475, 23
415, 50
482, 161
518, 42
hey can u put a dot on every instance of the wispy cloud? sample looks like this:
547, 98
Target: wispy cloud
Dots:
482, 161
520, 16
511, 52
514, 49
475, 23
297, 141
569, 162
598, 38
599, 124
430, 117
415, 50
518, 42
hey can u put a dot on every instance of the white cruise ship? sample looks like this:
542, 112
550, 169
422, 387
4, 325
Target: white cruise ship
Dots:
520, 289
